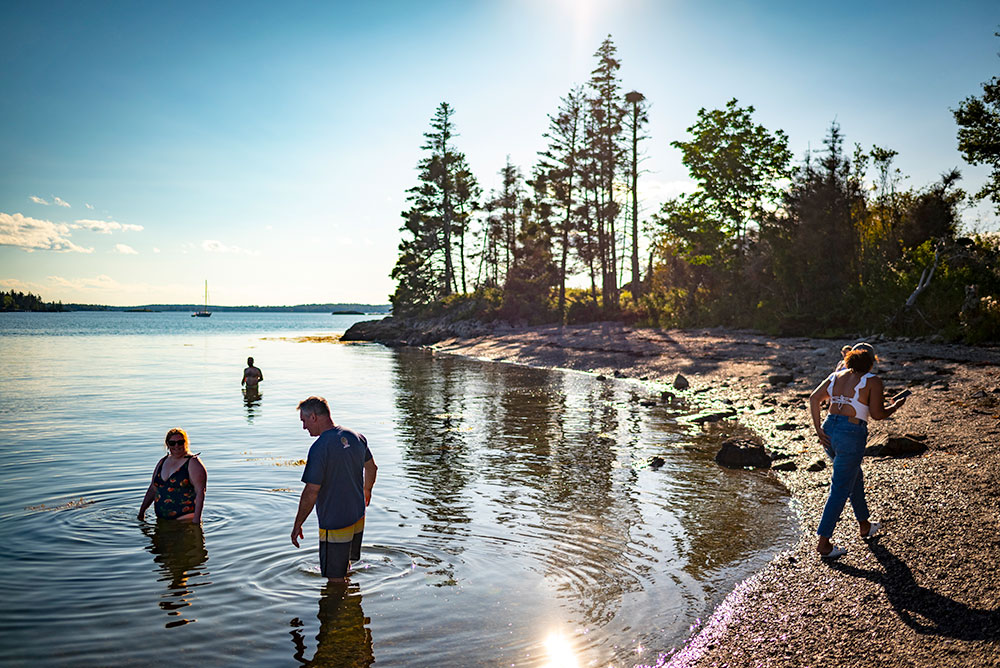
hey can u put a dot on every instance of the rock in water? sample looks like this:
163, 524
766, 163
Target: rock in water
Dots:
737, 453
817, 465
681, 383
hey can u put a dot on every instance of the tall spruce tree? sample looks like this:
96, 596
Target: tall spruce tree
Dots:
635, 118
605, 145
439, 207
561, 161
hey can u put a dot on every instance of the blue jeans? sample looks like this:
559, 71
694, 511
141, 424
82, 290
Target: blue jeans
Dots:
847, 447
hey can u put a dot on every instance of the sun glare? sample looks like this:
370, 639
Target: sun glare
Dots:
560, 651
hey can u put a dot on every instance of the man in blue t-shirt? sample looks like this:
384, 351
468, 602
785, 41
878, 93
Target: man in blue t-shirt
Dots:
339, 476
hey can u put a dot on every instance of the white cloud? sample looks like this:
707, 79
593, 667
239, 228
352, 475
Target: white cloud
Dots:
58, 201
20, 286
31, 234
156, 250
213, 246
38, 200
89, 206
125, 250
105, 226
101, 282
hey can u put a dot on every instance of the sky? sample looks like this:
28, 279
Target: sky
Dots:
146, 147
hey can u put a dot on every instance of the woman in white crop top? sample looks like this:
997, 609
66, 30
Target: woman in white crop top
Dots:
856, 395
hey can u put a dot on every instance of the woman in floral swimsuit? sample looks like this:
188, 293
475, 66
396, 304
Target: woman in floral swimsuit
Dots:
177, 490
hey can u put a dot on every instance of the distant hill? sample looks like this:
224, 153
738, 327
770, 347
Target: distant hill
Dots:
299, 308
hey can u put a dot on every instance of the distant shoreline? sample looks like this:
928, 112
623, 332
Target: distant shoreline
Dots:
333, 309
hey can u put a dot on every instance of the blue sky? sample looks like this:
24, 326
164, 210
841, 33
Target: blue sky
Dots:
267, 147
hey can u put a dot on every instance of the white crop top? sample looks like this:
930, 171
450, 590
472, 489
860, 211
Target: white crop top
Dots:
860, 409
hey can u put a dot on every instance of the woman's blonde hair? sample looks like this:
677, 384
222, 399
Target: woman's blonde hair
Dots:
177, 431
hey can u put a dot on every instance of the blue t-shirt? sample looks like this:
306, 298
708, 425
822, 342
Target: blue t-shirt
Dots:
336, 463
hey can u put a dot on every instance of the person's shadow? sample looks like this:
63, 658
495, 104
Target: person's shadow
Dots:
251, 399
922, 609
344, 638
178, 549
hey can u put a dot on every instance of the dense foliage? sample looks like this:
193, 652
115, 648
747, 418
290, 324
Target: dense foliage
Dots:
25, 301
830, 246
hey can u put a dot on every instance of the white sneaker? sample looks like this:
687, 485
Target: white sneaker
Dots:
835, 553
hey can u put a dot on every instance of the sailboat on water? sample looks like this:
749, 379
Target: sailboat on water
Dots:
206, 313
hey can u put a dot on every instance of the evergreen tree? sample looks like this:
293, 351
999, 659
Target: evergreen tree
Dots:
440, 206
561, 161
635, 118
606, 149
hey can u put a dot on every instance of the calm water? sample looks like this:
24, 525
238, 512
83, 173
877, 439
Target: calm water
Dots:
514, 521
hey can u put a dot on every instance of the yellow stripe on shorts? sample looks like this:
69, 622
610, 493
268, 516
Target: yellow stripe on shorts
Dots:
344, 535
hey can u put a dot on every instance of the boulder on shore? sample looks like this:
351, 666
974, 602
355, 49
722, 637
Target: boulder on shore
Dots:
392, 331
896, 445
738, 453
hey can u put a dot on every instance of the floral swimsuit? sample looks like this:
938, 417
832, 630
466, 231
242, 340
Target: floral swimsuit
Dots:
174, 496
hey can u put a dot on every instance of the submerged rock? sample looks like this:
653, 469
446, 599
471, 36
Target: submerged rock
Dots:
785, 466
738, 453
681, 383
817, 465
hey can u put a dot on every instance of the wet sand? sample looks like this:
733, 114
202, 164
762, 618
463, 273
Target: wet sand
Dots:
924, 593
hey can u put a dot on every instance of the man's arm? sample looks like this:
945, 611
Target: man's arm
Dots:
306, 503
370, 471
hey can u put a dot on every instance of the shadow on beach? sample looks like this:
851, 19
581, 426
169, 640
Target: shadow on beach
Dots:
343, 638
922, 609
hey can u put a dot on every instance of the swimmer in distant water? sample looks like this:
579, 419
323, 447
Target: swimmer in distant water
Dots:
177, 490
251, 375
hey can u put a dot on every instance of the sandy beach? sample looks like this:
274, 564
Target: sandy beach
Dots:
924, 593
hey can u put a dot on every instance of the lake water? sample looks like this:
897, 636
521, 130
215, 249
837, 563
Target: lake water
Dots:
514, 522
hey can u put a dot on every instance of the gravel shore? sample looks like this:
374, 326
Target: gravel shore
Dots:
924, 593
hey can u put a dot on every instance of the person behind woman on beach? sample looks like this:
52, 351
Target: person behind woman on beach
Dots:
842, 364
855, 395
177, 490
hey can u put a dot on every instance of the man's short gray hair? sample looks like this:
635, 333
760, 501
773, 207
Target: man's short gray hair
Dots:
315, 406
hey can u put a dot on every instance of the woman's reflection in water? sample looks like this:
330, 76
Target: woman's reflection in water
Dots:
178, 549
251, 397
344, 638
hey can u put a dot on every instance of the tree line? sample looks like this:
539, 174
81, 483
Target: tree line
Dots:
830, 244
25, 301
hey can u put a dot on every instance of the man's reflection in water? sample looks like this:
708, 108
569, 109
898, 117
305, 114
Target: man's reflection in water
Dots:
178, 549
251, 397
343, 638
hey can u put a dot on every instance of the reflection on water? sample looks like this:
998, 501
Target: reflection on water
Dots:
344, 639
515, 519
251, 399
541, 478
178, 549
